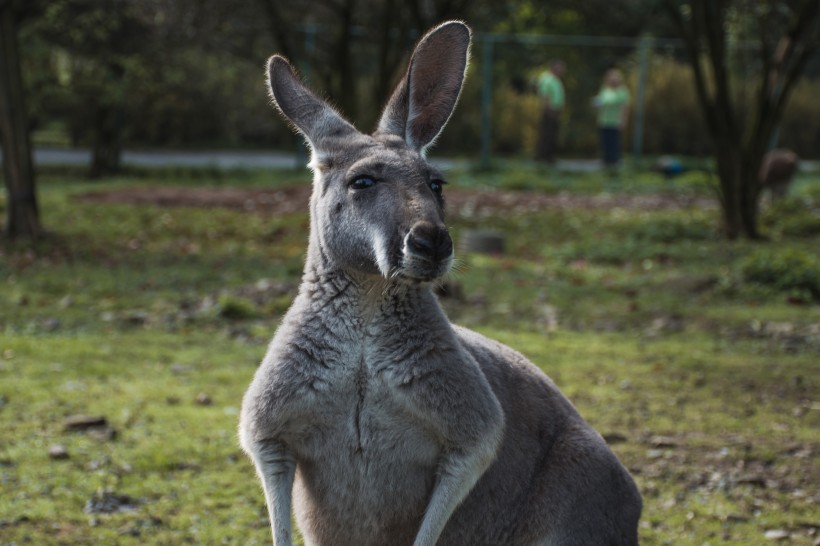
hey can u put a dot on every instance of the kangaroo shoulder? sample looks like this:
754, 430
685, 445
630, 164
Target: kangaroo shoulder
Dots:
492, 354
513, 377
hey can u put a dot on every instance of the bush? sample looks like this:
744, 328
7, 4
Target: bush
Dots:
674, 121
234, 308
788, 270
515, 128
792, 217
669, 230
616, 252
798, 130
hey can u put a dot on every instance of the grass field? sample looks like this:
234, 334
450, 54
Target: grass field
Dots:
696, 358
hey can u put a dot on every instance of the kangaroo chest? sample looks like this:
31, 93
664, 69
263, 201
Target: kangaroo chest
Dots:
363, 403
359, 421
361, 441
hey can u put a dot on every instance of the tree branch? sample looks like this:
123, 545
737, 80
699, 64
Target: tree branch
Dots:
279, 28
710, 15
763, 23
801, 42
691, 40
787, 63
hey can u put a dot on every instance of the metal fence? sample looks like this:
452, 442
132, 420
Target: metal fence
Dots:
627, 48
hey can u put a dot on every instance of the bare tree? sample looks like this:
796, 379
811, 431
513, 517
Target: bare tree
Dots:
788, 34
388, 27
108, 37
22, 215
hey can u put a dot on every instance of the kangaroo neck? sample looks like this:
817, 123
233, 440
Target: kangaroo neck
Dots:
364, 298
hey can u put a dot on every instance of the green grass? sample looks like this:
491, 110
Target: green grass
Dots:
702, 375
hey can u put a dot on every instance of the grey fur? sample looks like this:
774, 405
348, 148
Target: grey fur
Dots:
386, 424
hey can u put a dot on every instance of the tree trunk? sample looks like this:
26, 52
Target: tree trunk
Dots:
106, 150
22, 216
750, 204
728, 171
108, 124
386, 61
346, 91
738, 172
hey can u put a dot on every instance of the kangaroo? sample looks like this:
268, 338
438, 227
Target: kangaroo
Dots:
372, 417
777, 172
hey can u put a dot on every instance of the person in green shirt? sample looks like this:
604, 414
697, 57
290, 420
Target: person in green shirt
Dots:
550, 89
612, 102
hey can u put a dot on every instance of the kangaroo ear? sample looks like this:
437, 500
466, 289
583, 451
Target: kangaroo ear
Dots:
422, 103
314, 118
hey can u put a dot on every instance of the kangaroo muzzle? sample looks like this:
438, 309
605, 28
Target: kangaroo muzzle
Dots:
428, 251
430, 241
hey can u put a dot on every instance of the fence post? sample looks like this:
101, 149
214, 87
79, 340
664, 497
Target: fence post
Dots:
645, 48
486, 96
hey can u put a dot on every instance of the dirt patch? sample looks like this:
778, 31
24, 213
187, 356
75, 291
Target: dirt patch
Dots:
464, 202
275, 201
481, 203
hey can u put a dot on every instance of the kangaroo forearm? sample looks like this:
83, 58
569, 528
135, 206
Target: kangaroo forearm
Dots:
458, 473
277, 468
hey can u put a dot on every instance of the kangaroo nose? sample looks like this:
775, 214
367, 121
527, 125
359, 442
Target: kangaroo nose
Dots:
431, 241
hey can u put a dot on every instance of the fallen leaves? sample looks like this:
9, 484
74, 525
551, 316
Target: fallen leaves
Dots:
108, 502
79, 423
777, 534
58, 452
94, 425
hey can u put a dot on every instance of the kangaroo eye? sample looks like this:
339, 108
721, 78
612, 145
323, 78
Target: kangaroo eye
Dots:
437, 186
362, 183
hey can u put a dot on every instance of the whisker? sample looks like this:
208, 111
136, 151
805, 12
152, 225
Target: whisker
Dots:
438, 284
459, 267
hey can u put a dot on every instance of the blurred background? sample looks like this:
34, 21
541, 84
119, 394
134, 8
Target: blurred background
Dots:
120, 74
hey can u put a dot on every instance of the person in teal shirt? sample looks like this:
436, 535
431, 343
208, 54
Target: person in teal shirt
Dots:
612, 102
550, 89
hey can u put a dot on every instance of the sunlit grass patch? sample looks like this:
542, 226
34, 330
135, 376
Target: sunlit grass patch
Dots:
702, 377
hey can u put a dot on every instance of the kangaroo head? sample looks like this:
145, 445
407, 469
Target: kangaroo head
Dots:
377, 205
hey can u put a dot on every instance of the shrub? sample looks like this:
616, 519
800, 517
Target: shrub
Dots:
669, 230
798, 130
515, 128
674, 121
234, 308
788, 270
792, 217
